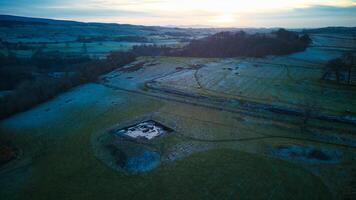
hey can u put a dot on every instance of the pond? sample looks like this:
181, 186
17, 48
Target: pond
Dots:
308, 154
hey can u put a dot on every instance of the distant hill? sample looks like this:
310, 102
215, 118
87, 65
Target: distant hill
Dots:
12, 20
330, 30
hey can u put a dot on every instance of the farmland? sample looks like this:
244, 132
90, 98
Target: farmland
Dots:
246, 128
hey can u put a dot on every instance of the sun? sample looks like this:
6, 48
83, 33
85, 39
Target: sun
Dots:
223, 19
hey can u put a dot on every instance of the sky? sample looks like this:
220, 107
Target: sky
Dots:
192, 13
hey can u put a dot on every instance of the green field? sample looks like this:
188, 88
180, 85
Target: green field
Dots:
226, 143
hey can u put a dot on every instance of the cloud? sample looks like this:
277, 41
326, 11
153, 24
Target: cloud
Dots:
324, 11
91, 12
65, 10
315, 16
251, 13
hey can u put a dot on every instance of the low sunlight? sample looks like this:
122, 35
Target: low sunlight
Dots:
177, 99
188, 12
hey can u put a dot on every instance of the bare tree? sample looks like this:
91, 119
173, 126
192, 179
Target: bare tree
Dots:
349, 64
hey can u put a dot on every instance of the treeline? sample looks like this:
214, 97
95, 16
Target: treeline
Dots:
177, 34
228, 44
14, 70
125, 38
130, 38
341, 70
151, 50
234, 44
33, 90
5, 23
333, 30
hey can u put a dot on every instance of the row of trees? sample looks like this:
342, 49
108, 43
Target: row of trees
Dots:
14, 70
234, 44
124, 38
341, 69
228, 44
151, 50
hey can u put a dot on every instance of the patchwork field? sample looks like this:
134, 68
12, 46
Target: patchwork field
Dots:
239, 131
94, 40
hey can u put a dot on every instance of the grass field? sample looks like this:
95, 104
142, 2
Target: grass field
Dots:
221, 147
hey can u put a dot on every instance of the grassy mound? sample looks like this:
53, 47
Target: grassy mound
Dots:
217, 174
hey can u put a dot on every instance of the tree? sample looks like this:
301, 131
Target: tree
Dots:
349, 64
340, 67
334, 66
306, 39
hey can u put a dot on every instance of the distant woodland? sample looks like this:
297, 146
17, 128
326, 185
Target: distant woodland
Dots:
235, 44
